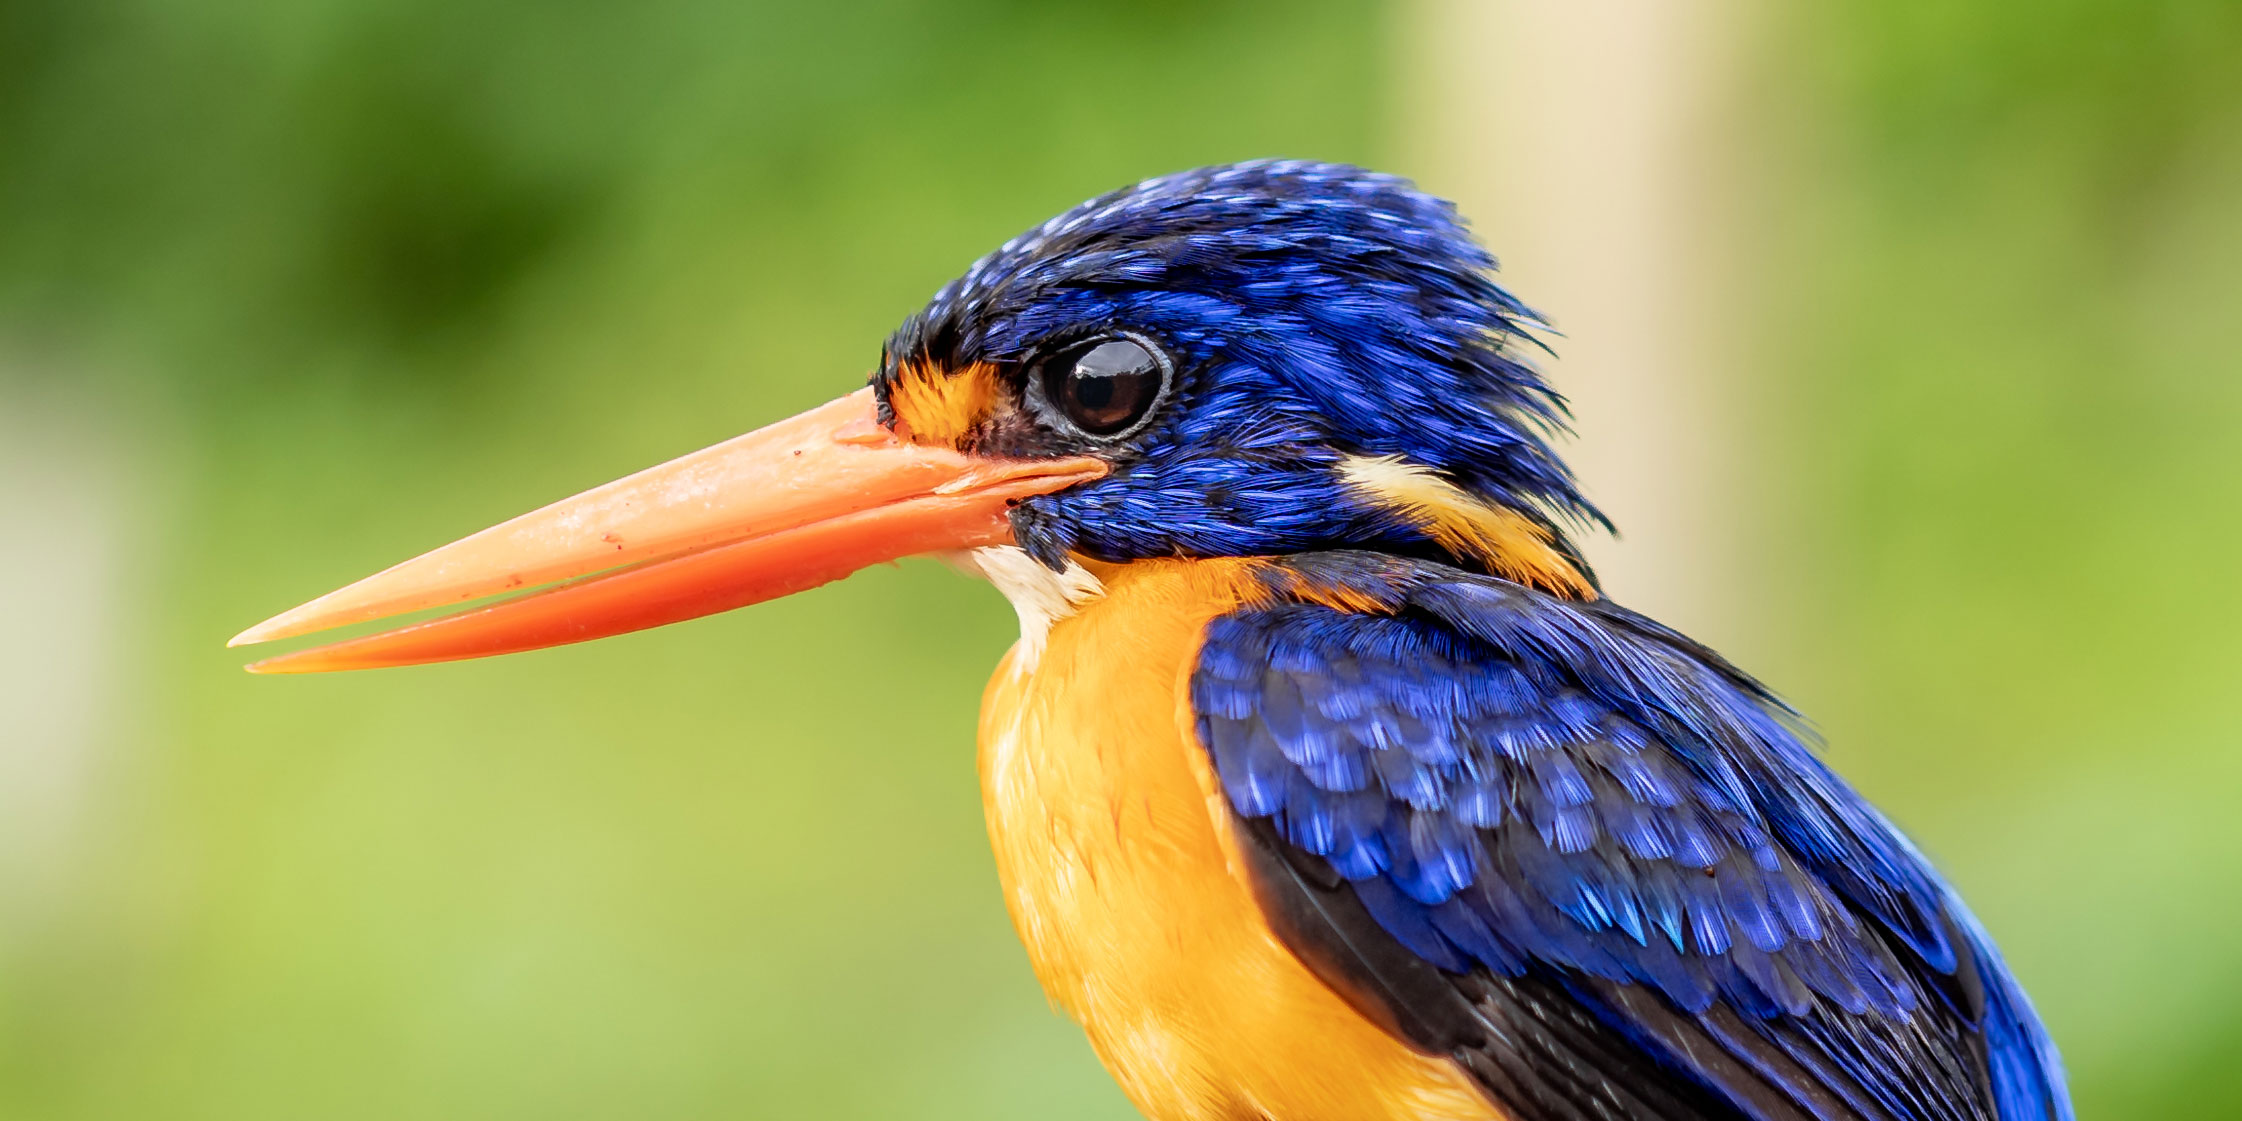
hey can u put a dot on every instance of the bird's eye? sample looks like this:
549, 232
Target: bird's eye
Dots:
1108, 387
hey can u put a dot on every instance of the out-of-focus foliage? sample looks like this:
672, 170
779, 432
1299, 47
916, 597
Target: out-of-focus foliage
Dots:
310, 284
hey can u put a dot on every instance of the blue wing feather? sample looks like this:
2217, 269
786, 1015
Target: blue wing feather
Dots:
1522, 784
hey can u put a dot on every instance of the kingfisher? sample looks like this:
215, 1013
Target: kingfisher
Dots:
1324, 782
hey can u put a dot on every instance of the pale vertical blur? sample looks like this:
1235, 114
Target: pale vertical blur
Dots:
1583, 140
67, 502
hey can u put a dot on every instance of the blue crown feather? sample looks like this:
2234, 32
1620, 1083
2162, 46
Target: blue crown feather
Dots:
1319, 310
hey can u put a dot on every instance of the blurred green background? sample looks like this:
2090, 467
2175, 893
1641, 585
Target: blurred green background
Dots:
290, 289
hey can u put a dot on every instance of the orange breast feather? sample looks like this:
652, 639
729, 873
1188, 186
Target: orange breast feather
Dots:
1118, 866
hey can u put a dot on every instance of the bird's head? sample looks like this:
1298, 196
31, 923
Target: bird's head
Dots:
1246, 360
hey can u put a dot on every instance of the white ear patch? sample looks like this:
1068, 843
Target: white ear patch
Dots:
1040, 596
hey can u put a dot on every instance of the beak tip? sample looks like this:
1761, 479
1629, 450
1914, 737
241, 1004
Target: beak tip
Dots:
279, 665
262, 632
299, 620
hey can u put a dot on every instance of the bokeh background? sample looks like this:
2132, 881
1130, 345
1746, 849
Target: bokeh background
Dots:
1910, 335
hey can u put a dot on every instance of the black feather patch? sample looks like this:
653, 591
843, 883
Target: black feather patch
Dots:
1528, 1043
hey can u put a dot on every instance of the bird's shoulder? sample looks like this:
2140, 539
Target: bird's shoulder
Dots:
1592, 859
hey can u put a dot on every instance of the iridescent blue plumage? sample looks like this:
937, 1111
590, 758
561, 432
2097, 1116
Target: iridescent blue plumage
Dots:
1536, 786
1572, 848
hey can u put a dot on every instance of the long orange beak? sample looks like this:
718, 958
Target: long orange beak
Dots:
782, 509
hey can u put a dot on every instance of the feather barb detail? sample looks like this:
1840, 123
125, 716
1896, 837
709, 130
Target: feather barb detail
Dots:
937, 406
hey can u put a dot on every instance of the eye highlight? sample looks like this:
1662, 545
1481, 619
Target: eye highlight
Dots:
1106, 387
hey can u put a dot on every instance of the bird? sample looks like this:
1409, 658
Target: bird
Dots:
1324, 780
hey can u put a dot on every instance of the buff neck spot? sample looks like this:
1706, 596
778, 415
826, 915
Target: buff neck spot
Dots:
1511, 545
1039, 596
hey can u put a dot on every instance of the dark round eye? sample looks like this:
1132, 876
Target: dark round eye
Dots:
1107, 387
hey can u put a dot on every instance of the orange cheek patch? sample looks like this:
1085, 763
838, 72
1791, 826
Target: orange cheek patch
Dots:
936, 406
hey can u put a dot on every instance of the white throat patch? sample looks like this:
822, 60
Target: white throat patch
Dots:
1040, 596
